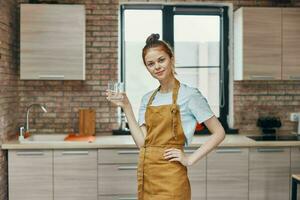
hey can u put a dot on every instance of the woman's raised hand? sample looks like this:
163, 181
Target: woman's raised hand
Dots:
119, 98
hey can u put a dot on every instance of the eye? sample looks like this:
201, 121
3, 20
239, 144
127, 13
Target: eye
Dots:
161, 60
150, 64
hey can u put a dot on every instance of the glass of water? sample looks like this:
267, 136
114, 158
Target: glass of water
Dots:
115, 88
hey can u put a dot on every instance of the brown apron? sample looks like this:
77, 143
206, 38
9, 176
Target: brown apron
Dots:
158, 178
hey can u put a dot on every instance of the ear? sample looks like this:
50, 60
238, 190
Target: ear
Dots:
173, 61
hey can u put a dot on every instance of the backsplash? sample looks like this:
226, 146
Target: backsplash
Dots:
9, 99
253, 99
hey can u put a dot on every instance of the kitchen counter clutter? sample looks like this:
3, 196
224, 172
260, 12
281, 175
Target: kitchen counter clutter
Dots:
126, 141
240, 169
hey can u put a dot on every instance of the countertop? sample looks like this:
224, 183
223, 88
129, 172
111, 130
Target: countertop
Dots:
126, 141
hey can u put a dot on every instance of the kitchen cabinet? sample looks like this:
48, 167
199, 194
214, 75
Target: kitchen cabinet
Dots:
257, 43
30, 174
75, 174
197, 177
52, 42
295, 164
269, 173
117, 173
291, 43
227, 174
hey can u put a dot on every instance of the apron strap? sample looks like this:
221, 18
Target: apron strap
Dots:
152, 96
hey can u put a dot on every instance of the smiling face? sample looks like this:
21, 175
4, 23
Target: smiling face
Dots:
159, 63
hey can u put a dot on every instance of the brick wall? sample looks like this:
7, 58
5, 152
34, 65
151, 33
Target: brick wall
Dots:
253, 99
64, 98
8, 83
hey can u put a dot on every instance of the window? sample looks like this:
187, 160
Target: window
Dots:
199, 37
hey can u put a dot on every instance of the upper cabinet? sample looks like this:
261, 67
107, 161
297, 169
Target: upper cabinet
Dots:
291, 43
266, 43
52, 42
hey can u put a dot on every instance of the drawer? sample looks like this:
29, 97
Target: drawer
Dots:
118, 197
117, 179
113, 156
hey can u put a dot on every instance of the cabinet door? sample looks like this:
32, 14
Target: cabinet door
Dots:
197, 177
295, 164
291, 43
75, 174
118, 197
269, 173
257, 43
227, 174
52, 42
117, 179
30, 175
117, 156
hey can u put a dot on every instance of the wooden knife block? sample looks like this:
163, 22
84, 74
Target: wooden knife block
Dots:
87, 122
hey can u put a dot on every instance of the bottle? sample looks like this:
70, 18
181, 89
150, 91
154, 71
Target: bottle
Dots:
123, 122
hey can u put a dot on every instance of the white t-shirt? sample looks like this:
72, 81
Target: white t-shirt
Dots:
193, 108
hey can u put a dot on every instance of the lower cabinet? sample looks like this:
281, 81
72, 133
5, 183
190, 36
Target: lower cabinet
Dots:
260, 173
30, 174
52, 174
118, 197
197, 177
227, 174
269, 173
117, 174
295, 165
75, 174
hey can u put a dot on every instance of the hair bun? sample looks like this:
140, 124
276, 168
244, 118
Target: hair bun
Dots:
152, 38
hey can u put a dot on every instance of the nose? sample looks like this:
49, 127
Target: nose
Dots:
157, 66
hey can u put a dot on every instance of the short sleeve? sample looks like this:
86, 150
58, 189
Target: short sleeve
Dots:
199, 107
142, 111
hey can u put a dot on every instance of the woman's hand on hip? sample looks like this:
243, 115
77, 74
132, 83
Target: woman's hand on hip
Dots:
119, 99
174, 154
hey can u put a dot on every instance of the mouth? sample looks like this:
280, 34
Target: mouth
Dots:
159, 73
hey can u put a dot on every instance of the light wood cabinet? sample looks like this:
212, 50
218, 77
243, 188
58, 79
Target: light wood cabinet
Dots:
269, 173
52, 42
197, 177
30, 175
227, 174
117, 173
257, 43
75, 174
291, 43
118, 197
295, 165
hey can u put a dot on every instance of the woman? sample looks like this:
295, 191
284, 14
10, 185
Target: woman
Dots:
167, 120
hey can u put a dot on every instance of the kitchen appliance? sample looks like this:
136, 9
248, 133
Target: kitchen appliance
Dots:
268, 125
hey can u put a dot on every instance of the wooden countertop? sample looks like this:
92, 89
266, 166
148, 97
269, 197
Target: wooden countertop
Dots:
126, 141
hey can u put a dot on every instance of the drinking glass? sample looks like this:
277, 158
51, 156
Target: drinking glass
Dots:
115, 88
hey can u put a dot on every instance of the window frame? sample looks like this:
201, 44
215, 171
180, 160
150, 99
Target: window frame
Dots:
168, 12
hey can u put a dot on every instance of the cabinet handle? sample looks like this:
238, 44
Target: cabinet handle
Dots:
129, 152
228, 151
189, 151
75, 153
127, 198
51, 77
30, 153
127, 168
294, 77
270, 150
261, 77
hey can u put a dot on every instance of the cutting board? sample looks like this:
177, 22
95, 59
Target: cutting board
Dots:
87, 121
